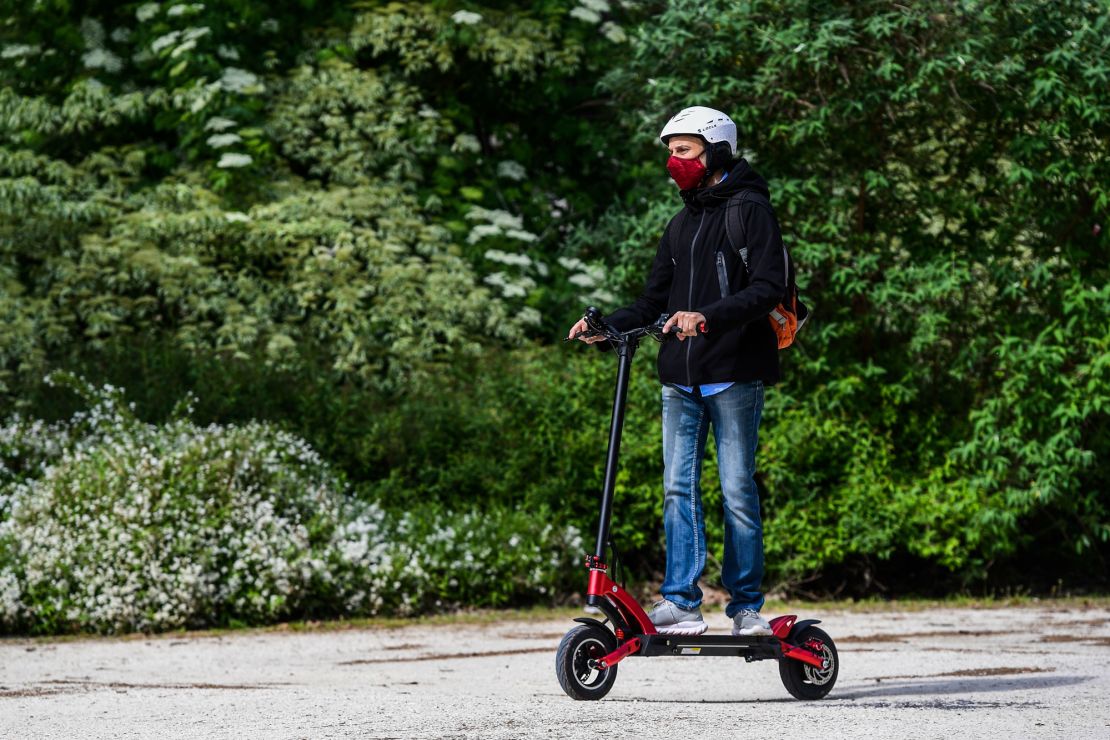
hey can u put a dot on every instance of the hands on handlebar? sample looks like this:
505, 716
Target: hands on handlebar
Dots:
583, 332
686, 323
591, 328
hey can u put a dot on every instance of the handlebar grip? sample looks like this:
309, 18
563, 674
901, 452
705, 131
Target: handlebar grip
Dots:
595, 321
676, 330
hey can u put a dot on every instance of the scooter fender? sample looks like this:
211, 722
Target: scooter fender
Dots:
799, 626
589, 620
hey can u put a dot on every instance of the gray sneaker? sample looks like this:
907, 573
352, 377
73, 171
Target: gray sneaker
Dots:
671, 619
749, 623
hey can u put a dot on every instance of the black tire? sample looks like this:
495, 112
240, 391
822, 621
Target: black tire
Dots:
579, 646
802, 680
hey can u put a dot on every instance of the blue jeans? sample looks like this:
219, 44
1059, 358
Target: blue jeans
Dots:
735, 415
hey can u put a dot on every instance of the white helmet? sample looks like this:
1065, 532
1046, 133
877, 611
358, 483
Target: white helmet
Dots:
711, 125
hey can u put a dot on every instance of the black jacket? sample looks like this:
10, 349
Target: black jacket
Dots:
691, 268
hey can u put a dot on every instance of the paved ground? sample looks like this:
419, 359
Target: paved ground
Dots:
997, 672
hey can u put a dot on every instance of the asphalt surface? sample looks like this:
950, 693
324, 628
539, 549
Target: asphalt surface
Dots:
1031, 671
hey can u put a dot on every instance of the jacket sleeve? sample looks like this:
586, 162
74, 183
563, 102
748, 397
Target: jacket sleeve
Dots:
653, 300
767, 279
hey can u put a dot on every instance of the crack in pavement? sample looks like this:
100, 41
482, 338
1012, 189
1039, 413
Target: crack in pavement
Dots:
904, 636
972, 672
450, 656
72, 685
1095, 640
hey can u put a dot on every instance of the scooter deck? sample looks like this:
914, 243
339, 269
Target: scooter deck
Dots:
752, 648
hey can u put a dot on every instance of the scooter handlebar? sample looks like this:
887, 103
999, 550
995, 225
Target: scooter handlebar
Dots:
596, 326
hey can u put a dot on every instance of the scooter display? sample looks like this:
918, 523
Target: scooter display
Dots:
588, 656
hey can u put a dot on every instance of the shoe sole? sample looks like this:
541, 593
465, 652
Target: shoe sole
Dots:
683, 629
753, 632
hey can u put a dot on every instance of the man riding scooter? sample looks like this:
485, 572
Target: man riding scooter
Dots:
715, 375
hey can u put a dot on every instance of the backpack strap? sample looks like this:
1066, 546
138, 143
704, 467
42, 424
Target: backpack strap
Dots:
737, 233
734, 227
735, 230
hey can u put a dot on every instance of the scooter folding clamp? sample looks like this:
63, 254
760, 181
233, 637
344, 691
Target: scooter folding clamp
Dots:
593, 562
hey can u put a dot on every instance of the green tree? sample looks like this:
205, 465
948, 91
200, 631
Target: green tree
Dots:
376, 183
939, 172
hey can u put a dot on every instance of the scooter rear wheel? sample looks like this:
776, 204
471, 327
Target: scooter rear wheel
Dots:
573, 663
804, 681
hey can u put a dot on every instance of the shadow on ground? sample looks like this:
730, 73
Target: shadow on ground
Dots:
911, 688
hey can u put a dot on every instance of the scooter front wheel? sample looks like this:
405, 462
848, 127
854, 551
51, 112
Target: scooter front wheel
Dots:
802, 680
576, 662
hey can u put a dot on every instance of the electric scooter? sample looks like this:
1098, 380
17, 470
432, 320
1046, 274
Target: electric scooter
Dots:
586, 663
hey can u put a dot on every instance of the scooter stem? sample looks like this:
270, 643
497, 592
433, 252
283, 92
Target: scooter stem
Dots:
625, 350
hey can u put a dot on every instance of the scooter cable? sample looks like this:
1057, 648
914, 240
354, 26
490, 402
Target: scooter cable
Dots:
618, 565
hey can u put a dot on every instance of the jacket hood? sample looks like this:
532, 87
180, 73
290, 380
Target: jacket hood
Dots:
740, 177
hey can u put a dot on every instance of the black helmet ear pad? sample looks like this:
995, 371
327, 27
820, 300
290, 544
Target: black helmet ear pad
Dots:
718, 156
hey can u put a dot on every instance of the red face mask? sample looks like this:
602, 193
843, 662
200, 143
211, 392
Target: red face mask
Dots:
688, 173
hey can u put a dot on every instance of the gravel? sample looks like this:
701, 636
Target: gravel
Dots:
1031, 671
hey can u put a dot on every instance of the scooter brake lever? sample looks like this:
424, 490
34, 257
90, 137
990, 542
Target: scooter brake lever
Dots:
655, 331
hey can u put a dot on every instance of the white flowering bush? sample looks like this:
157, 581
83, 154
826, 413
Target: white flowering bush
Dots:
460, 559
111, 524
137, 526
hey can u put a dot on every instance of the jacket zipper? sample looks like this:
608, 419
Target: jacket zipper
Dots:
690, 298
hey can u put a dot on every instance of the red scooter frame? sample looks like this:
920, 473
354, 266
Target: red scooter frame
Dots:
630, 613
586, 663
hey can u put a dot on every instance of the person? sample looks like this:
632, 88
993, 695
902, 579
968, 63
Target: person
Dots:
716, 373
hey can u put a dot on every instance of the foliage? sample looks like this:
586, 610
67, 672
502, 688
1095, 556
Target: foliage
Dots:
938, 171
139, 527
132, 526
216, 174
173, 260
365, 224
